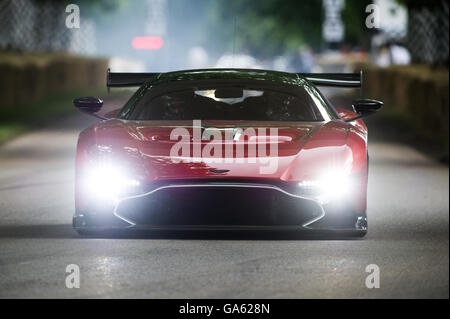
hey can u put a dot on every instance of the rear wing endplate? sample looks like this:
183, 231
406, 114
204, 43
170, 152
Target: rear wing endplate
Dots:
127, 79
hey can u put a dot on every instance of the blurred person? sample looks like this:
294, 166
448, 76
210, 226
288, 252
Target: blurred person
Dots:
198, 58
303, 61
399, 54
387, 52
229, 60
392, 54
280, 63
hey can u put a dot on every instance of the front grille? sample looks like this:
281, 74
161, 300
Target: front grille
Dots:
218, 205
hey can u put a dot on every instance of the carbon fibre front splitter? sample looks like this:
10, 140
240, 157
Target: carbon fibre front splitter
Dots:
216, 230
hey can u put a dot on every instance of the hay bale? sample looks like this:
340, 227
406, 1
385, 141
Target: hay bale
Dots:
401, 87
57, 76
441, 91
28, 78
77, 73
370, 81
97, 72
417, 90
34, 82
387, 86
7, 81
21, 93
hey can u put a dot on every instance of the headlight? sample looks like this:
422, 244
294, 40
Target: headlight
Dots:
329, 186
109, 182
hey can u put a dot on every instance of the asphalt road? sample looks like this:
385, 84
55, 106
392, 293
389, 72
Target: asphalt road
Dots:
408, 238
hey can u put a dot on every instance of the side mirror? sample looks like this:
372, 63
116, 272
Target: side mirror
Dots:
89, 105
365, 107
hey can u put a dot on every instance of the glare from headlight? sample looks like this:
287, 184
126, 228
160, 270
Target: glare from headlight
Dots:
327, 187
108, 182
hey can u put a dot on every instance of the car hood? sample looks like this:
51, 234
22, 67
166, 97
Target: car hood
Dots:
285, 151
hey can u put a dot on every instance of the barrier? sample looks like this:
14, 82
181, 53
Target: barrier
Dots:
417, 90
26, 79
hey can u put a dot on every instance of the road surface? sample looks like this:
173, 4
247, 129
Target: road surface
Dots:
408, 238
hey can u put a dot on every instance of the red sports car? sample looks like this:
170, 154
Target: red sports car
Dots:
225, 149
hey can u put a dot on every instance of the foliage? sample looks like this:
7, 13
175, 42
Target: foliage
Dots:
271, 27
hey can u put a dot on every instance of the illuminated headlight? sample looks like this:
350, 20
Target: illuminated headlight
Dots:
327, 187
109, 182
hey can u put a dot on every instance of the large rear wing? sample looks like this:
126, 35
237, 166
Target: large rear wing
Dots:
127, 79
347, 80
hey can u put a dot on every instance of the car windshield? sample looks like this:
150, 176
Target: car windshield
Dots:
224, 102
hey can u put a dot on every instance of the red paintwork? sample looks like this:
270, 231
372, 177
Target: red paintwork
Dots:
304, 150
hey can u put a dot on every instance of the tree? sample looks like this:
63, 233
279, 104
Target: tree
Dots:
271, 27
